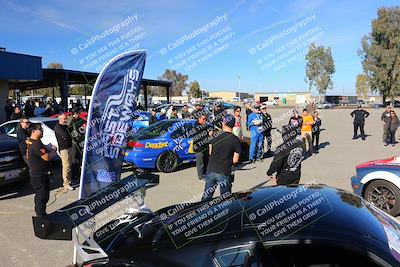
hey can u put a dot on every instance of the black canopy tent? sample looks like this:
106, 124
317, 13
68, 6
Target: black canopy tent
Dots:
63, 78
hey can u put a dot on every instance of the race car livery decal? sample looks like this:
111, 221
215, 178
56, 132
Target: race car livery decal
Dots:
158, 145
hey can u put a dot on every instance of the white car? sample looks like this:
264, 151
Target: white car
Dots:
270, 103
49, 137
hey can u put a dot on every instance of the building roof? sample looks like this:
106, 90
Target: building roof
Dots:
53, 77
20, 67
278, 92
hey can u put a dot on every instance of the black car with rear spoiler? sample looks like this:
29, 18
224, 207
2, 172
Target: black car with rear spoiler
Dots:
305, 225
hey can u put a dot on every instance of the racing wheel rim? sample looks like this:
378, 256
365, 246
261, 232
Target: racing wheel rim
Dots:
382, 197
168, 161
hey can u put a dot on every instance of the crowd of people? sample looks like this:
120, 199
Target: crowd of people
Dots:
38, 157
16, 110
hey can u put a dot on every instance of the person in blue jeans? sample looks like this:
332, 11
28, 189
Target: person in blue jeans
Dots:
224, 152
256, 134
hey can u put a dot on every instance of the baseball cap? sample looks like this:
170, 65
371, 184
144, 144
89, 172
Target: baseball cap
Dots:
229, 120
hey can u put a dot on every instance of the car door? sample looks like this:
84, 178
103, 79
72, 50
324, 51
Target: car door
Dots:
181, 142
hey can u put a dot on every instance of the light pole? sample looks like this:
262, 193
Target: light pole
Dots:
238, 76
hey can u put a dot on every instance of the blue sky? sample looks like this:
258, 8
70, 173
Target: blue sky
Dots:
53, 29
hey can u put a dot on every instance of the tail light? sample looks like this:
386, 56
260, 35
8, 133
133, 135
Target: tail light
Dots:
134, 144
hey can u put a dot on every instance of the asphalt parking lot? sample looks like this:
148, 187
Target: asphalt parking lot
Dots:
333, 166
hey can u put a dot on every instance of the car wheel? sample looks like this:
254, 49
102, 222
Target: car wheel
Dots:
167, 161
384, 195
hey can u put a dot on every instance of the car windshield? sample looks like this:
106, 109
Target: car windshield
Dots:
157, 128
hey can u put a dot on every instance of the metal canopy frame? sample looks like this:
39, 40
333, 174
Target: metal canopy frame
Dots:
63, 78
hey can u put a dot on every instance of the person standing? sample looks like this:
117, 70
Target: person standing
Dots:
218, 114
162, 115
267, 123
39, 110
392, 125
29, 109
296, 120
17, 113
23, 135
9, 109
316, 129
237, 128
256, 134
359, 116
76, 129
64, 141
288, 157
201, 135
174, 114
185, 112
248, 112
39, 157
153, 117
306, 131
385, 117
224, 153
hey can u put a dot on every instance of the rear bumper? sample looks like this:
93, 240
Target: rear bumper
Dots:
141, 159
356, 185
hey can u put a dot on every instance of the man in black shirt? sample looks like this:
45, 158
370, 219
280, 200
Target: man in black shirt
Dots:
201, 137
22, 135
288, 157
225, 149
385, 118
17, 113
64, 141
39, 157
153, 117
8, 109
359, 116
76, 129
267, 124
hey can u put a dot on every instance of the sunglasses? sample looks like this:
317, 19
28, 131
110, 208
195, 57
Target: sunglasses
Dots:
26, 122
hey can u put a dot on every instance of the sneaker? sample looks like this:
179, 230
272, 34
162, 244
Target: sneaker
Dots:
386, 144
253, 161
392, 144
354, 137
69, 188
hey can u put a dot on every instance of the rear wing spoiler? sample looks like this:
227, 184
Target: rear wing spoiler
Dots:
59, 224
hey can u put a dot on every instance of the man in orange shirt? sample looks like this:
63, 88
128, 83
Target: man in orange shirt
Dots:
306, 130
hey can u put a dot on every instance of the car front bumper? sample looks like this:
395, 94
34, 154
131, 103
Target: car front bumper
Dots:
357, 185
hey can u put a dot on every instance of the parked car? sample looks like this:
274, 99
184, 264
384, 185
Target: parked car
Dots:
378, 181
12, 166
325, 105
163, 145
270, 103
49, 137
287, 226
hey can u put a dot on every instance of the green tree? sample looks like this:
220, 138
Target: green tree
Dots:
178, 81
55, 65
319, 68
380, 53
362, 86
194, 90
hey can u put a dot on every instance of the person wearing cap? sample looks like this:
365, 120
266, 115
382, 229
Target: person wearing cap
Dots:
267, 123
359, 116
162, 115
39, 158
225, 149
385, 118
153, 117
288, 157
76, 128
256, 134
